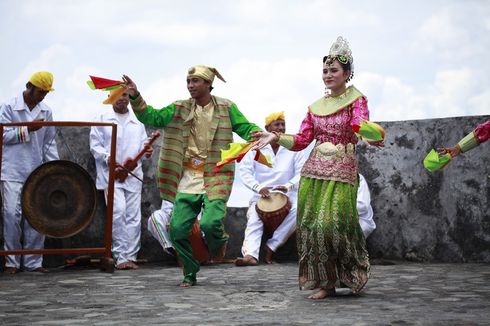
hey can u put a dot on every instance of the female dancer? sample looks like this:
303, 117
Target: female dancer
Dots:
331, 246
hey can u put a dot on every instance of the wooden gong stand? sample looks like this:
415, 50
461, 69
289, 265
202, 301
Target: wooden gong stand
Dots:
106, 262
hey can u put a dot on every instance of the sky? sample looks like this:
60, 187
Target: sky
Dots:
414, 59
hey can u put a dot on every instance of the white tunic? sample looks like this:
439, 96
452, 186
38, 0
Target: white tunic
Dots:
131, 136
285, 171
23, 151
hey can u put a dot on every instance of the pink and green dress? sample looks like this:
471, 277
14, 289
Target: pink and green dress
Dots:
331, 246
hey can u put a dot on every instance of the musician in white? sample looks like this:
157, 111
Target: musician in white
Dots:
24, 149
131, 139
283, 176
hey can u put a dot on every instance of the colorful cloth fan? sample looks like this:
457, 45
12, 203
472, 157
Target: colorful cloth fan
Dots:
370, 131
115, 87
433, 161
237, 151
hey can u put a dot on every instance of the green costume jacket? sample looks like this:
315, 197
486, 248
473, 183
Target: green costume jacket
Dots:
176, 121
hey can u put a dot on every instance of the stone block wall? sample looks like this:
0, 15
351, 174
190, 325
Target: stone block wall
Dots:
420, 216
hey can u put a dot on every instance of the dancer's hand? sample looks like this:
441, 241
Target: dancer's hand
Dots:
130, 86
379, 143
453, 151
263, 139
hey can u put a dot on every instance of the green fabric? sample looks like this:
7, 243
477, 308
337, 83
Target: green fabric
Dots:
286, 140
331, 246
158, 118
330, 105
240, 124
468, 142
370, 132
186, 209
176, 119
433, 161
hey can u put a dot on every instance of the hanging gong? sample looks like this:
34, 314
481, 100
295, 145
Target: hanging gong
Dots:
59, 199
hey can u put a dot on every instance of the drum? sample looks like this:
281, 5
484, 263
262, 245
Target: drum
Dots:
199, 248
273, 210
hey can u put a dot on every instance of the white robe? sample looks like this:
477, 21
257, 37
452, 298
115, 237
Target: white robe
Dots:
126, 221
22, 152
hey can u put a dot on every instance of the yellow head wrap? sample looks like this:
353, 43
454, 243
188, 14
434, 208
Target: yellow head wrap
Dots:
274, 116
204, 72
42, 80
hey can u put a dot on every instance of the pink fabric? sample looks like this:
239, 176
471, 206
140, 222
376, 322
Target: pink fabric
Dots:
336, 128
482, 131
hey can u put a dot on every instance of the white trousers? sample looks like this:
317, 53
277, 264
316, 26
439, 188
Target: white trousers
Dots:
255, 229
126, 225
157, 225
13, 229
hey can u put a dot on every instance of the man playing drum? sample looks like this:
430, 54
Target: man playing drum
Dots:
283, 177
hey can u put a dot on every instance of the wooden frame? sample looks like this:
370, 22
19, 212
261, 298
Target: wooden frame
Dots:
107, 263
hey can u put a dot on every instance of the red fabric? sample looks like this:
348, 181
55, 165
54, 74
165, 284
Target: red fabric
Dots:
100, 83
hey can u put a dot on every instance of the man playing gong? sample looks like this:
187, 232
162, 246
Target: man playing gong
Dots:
24, 149
282, 177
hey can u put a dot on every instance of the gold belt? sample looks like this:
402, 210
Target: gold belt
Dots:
331, 151
195, 164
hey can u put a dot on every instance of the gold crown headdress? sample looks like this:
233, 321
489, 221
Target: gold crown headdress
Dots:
340, 50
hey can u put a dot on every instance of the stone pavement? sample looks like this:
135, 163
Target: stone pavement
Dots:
400, 294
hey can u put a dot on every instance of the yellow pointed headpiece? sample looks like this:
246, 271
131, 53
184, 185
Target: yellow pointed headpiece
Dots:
205, 72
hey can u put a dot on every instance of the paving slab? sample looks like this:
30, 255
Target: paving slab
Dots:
399, 294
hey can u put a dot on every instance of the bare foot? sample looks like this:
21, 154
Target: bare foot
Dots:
246, 261
11, 270
322, 294
220, 257
40, 270
186, 284
126, 265
269, 255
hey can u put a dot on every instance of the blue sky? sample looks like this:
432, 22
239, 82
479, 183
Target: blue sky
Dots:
413, 59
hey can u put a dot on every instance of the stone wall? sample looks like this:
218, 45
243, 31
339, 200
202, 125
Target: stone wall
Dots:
420, 216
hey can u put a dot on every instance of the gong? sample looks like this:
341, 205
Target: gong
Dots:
59, 199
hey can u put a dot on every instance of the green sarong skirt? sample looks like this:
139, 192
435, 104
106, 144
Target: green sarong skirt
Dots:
331, 246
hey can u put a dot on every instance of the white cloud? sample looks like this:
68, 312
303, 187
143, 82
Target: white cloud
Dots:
451, 93
47, 60
456, 32
480, 103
